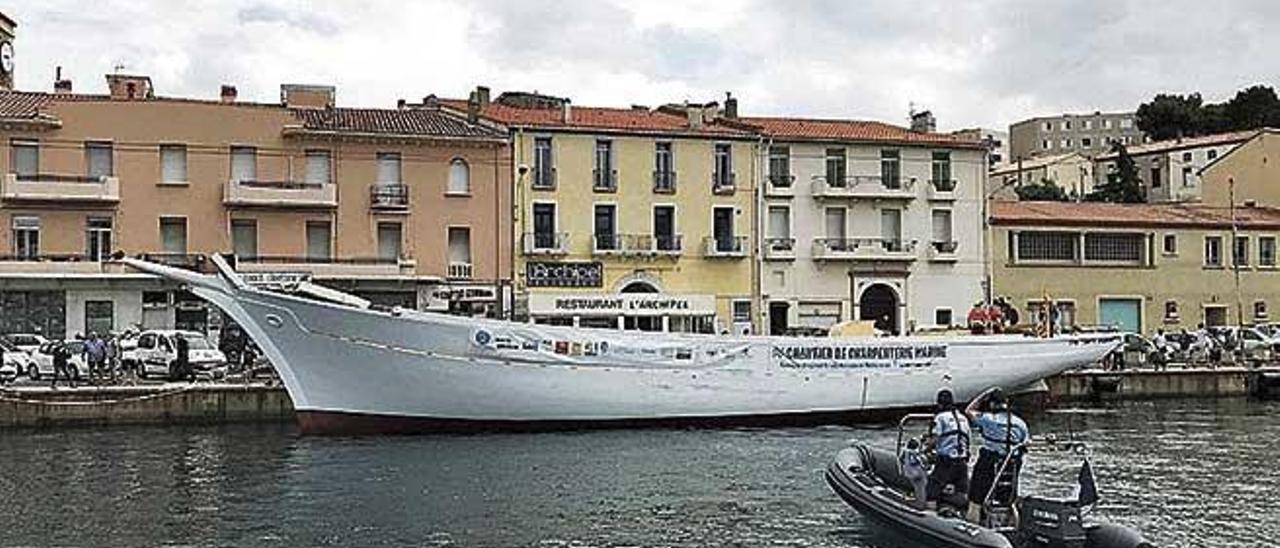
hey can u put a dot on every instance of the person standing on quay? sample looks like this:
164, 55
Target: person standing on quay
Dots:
60, 354
95, 353
182, 361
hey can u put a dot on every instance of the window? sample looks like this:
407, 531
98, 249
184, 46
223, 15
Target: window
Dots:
1065, 125
389, 169
318, 167
664, 228
1087, 124
741, 311
98, 159
26, 237
99, 317
837, 167
173, 235
1266, 251
1213, 251
606, 227
1260, 310
1170, 244
1171, 311
891, 229
1046, 144
1047, 246
244, 164
1126, 123
1106, 123
891, 168
722, 229
544, 171
1155, 177
25, 157
1114, 247
942, 171
460, 251
1212, 154
835, 223
1187, 179
1065, 143
723, 174
544, 226
1048, 126
1240, 251
779, 223
244, 238
942, 230
319, 235
664, 177
389, 241
97, 241
1186, 156
605, 175
459, 177
173, 163
1086, 142
942, 317
780, 166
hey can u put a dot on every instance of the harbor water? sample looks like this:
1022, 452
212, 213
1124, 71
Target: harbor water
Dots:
1186, 473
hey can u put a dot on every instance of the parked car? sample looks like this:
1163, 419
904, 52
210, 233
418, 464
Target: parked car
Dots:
26, 342
1250, 343
8, 373
19, 360
157, 350
42, 360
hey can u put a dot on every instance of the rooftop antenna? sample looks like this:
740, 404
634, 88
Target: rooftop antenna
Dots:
118, 68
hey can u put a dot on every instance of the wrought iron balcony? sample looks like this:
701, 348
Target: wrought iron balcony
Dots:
604, 180
874, 249
943, 250
723, 183
862, 186
389, 197
942, 189
725, 246
780, 248
459, 271
545, 243
544, 179
664, 181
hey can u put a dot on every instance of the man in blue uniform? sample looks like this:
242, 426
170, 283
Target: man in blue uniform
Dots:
950, 435
1002, 434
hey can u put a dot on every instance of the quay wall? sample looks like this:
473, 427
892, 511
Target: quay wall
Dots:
1217, 382
169, 404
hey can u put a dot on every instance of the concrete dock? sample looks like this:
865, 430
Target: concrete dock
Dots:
1175, 382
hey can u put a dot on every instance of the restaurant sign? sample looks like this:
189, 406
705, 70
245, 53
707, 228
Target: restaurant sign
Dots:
564, 274
628, 304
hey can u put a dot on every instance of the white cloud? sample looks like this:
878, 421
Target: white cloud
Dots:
974, 63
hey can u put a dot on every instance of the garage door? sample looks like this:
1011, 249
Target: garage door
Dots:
1125, 314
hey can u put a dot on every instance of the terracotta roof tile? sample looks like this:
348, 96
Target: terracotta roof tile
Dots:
22, 105
414, 121
1033, 163
629, 120
1130, 215
1190, 142
819, 129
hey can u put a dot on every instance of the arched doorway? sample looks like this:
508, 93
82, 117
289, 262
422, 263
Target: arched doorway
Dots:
880, 304
643, 323
639, 287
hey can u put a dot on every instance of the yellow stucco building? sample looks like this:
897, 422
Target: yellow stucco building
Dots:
637, 218
1136, 266
1254, 165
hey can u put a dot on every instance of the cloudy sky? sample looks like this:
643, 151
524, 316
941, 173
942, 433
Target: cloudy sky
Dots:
978, 62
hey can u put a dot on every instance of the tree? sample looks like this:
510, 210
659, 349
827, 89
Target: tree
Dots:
1044, 191
1252, 108
1123, 185
1171, 116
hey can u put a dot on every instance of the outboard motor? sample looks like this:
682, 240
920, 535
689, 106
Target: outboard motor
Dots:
1051, 523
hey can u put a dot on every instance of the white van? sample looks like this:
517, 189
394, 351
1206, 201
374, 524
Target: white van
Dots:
157, 350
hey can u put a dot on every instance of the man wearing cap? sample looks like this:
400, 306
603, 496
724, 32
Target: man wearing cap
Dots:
1003, 434
950, 435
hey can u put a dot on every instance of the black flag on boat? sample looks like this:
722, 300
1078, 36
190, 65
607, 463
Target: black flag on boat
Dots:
1088, 486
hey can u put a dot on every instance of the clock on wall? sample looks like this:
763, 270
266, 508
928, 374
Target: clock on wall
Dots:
6, 57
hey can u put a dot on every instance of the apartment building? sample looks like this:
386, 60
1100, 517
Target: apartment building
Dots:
633, 218
1170, 170
1136, 266
401, 206
1088, 134
1072, 172
865, 220
1247, 172
996, 141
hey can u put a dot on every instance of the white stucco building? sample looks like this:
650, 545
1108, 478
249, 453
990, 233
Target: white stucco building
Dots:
1170, 170
864, 220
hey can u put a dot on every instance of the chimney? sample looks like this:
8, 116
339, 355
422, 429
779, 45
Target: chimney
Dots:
566, 112
694, 113
473, 107
60, 85
482, 95
400, 104
307, 96
730, 106
125, 87
228, 93
923, 122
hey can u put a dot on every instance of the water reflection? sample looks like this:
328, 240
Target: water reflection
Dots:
1186, 473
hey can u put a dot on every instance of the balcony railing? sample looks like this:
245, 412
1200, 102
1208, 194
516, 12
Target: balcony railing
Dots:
329, 267
878, 249
460, 271
664, 181
265, 193
606, 244
862, 186
780, 248
723, 183
545, 243
667, 244
943, 250
725, 246
942, 189
54, 187
389, 197
604, 180
544, 179
58, 263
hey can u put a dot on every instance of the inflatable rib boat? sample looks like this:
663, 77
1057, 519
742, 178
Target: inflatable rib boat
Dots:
870, 480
